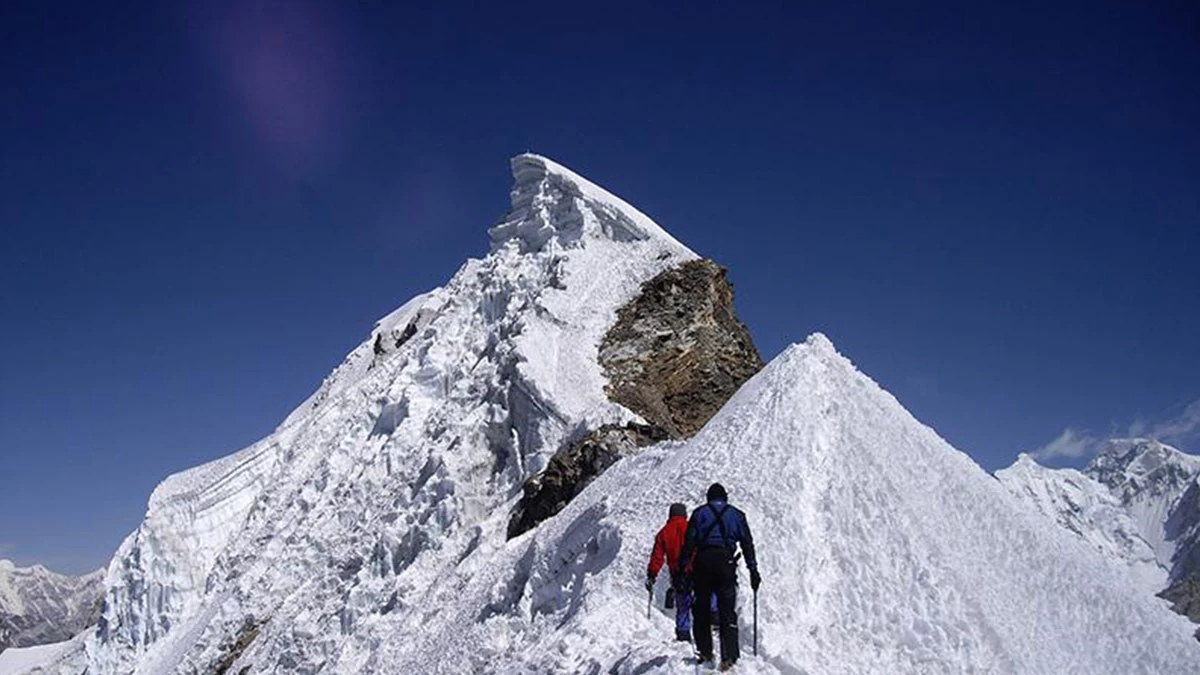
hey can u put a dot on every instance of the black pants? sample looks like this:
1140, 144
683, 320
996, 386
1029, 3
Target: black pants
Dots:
713, 570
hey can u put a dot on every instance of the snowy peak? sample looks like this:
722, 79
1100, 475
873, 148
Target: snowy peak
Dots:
882, 550
1087, 508
1148, 478
552, 203
1136, 496
38, 606
1135, 467
328, 539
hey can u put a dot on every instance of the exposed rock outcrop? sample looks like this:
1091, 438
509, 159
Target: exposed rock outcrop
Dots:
1183, 527
1184, 597
678, 351
675, 355
571, 469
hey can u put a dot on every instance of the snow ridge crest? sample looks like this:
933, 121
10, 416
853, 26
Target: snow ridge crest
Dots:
552, 203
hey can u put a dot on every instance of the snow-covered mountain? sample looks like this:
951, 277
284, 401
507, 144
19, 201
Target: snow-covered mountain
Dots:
883, 549
330, 537
1088, 508
1128, 502
38, 606
1149, 478
1137, 503
370, 531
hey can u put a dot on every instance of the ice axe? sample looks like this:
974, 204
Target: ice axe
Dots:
756, 622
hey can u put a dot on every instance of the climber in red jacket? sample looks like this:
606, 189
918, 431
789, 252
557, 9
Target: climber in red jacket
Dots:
667, 545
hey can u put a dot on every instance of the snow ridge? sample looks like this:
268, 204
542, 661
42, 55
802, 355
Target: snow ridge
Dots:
551, 201
882, 548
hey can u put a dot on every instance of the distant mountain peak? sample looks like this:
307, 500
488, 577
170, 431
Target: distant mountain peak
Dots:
39, 606
1134, 467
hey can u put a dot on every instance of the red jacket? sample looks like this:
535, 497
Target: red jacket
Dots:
668, 542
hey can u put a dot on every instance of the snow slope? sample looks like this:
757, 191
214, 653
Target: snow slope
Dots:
1089, 509
65, 655
1135, 502
38, 606
883, 550
396, 467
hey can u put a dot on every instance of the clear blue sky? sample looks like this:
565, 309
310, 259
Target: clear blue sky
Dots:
994, 211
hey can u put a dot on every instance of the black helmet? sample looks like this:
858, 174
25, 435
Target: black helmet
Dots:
678, 509
716, 493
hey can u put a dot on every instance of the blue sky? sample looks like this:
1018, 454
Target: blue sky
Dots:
993, 211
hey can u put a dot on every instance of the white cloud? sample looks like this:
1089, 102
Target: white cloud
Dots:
1138, 429
1183, 426
1071, 443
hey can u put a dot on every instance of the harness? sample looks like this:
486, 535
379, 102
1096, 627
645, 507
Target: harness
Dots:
720, 523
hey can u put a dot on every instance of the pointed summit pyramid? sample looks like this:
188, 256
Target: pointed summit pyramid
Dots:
309, 548
882, 548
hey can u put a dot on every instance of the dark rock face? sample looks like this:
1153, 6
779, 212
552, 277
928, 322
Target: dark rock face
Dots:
678, 352
1184, 597
675, 355
1183, 526
572, 468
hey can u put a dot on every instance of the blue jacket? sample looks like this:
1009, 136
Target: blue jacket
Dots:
706, 531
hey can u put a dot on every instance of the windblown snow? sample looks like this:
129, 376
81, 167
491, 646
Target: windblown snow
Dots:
367, 533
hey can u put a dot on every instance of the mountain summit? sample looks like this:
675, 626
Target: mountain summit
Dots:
402, 467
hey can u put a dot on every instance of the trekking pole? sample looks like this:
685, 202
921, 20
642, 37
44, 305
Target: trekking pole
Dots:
756, 622
649, 600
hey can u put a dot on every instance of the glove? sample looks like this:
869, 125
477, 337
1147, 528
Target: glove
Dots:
649, 582
755, 579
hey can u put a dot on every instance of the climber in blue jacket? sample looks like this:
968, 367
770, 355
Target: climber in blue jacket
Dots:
709, 556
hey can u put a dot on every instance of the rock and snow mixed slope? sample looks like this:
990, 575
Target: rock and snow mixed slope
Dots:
1134, 502
38, 606
1089, 509
367, 533
1137, 503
